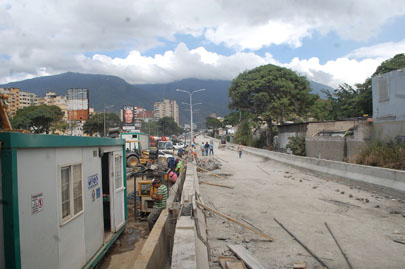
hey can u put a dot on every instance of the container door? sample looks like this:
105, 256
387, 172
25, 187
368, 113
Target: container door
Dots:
117, 193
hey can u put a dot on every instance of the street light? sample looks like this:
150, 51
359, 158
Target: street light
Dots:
191, 110
110, 106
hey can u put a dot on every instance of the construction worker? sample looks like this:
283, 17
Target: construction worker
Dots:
160, 199
179, 167
172, 164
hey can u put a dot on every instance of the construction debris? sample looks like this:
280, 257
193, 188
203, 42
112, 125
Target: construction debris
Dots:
337, 243
209, 164
215, 184
299, 265
246, 256
399, 241
302, 244
223, 260
268, 237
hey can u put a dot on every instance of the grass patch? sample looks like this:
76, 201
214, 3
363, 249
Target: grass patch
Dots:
387, 155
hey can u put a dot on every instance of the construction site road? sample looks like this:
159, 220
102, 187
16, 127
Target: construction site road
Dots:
369, 226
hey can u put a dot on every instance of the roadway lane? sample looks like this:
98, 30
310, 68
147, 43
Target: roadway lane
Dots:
365, 223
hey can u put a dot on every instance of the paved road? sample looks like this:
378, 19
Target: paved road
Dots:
365, 223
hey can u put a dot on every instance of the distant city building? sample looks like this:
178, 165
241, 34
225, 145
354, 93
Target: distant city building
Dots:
167, 108
213, 115
145, 115
49, 99
18, 99
28, 99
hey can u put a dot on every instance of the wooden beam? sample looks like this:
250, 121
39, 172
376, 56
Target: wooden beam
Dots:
246, 257
215, 184
268, 237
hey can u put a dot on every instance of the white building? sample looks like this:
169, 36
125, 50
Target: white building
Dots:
63, 199
388, 105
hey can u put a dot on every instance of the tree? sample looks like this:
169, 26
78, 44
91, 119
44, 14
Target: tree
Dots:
213, 123
348, 101
150, 127
95, 123
37, 119
271, 94
235, 117
244, 134
321, 110
168, 126
365, 99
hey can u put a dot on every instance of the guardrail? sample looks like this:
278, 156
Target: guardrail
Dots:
383, 177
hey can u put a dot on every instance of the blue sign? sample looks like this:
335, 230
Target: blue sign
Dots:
92, 181
98, 192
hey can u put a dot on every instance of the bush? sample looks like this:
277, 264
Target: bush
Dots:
297, 145
261, 142
386, 155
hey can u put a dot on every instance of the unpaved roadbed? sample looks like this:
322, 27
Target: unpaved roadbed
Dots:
364, 222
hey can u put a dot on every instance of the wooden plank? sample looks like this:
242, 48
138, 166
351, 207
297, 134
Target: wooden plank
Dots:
223, 259
268, 237
246, 256
215, 184
235, 265
299, 265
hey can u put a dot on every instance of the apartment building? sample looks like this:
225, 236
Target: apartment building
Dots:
18, 99
167, 108
28, 99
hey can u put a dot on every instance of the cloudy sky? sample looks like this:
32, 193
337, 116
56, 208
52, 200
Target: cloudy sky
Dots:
147, 41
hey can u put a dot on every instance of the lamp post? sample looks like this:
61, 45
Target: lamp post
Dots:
110, 106
190, 93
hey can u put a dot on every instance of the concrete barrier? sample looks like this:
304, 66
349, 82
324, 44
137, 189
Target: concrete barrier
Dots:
156, 252
387, 178
190, 248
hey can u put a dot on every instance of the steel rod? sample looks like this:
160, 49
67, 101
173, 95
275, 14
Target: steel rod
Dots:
341, 250
302, 244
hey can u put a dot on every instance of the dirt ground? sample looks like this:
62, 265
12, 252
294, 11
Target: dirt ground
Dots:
365, 222
128, 246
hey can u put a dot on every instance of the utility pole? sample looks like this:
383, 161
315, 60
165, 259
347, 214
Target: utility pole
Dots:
104, 115
190, 93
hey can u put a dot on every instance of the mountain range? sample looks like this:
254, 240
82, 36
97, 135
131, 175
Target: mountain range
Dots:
107, 90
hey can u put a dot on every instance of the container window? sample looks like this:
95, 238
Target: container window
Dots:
118, 172
71, 191
65, 176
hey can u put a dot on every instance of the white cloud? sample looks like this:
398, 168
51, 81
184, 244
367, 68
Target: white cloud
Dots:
382, 50
50, 36
200, 63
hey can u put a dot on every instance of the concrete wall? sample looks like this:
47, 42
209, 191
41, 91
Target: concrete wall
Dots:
388, 130
2, 265
335, 147
329, 148
388, 178
46, 242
